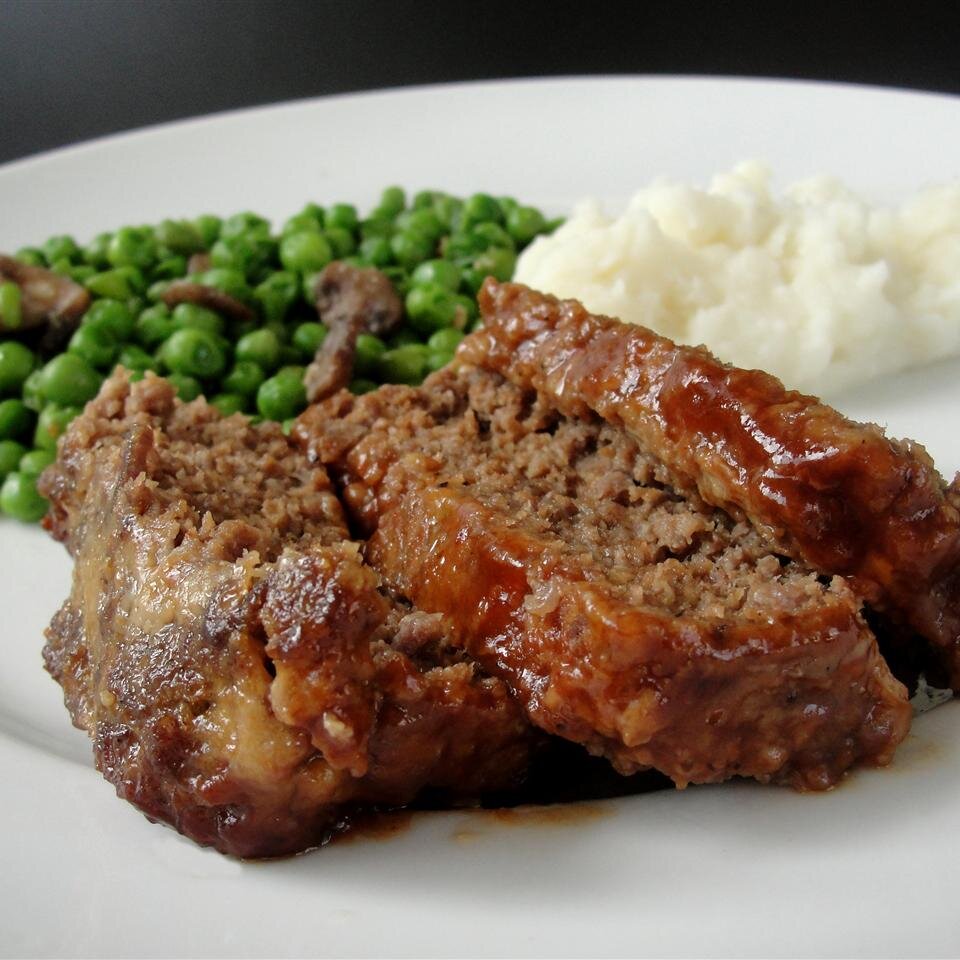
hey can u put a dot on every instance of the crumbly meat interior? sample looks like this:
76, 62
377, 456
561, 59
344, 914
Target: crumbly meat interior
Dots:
626, 615
838, 495
242, 674
605, 505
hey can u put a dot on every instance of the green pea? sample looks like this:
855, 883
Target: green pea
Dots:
261, 347
19, 498
473, 279
69, 380
341, 242
16, 362
208, 226
421, 221
376, 227
95, 252
132, 247
193, 353
154, 325
110, 283
15, 419
34, 462
11, 314
135, 278
524, 223
63, 266
361, 385
277, 294
449, 211
305, 252
245, 378
250, 254
343, 216
411, 247
308, 337
376, 250
187, 388
229, 403
287, 425
492, 235
368, 353
437, 359
112, 316
295, 370
51, 423
244, 223
10, 454
82, 273
61, 248
441, 272
135, 358
32, 396
179, 236
424, 199
481, 208
31, 256
431, 307
392, 202
158, 290
281, 397
463, 246
197, 318
446, 340
95, 344
496, 262
231, 282
170, 268
407, 364
300, 222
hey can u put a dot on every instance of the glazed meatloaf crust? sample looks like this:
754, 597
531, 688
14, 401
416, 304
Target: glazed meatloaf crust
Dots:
839, 495
242, 674
624, 612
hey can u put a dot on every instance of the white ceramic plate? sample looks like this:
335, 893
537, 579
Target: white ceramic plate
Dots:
868, 869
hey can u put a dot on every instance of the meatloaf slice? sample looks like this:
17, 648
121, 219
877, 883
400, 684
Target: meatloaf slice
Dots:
838, 495
624, 612
242, 674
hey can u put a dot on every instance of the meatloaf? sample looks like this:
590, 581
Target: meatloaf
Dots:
242, 674
837, 495
624, 611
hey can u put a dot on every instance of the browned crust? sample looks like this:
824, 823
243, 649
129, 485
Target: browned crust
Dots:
228, 652
837, 494
799, 700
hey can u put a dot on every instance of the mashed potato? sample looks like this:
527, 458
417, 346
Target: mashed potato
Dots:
817, 286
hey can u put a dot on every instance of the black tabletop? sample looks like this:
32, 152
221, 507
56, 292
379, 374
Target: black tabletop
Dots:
75, 69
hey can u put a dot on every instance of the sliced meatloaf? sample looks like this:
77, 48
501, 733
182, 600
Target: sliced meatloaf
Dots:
838, 495
242, 674
624, 611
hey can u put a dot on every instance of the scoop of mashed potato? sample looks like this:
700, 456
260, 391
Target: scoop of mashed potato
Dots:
815, 286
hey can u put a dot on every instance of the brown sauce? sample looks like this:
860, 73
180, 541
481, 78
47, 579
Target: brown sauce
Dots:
561, 790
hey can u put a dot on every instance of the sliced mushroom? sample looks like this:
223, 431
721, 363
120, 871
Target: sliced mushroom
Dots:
350, 300
186, 291
47, 300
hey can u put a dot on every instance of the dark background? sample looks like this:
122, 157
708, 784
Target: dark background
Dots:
75, 69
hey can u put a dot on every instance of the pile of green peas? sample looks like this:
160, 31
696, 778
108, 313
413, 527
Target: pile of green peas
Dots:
435, 248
